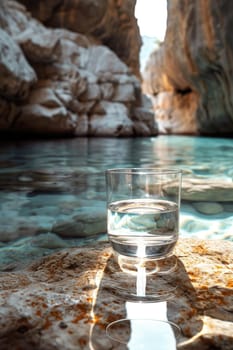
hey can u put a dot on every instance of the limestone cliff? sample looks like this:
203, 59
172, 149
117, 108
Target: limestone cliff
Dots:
112, 22
60, 78
190, 76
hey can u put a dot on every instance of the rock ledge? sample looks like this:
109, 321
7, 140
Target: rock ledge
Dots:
65, 300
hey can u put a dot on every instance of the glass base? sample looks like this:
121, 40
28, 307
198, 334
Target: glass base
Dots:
145, 280
160, 266
139, 334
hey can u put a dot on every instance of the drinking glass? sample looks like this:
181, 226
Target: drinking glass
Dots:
143, 207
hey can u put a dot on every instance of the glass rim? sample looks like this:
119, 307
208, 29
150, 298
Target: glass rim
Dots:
150, 171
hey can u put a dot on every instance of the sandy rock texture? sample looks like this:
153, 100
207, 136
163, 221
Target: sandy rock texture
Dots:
66, 300
65, 80
189, 76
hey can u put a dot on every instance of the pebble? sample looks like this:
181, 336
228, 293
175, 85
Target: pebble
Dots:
208, 208
48, 240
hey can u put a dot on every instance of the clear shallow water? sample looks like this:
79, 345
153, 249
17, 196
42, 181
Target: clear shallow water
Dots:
52, 192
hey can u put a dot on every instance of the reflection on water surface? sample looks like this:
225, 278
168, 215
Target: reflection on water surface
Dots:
53, 191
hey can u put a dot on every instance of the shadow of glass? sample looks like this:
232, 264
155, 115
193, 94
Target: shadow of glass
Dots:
117, 299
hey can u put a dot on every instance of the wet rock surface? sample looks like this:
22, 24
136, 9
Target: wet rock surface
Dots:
66, 301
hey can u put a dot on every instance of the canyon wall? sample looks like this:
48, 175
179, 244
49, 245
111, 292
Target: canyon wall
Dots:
190, 76
72, 68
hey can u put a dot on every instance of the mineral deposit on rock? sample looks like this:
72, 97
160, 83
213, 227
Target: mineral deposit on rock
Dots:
66, 300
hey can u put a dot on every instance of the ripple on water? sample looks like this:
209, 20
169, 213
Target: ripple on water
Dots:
60, 184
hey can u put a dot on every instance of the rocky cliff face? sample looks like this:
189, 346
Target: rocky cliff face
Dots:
59, 77
111, 22
190, 76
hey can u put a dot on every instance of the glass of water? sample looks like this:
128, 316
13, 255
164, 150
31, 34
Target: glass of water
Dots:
143, 207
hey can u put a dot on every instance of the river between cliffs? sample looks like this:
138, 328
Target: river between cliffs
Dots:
52, 192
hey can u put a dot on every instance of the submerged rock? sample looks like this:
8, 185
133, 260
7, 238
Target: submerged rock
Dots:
88, 221
209, 208
196, 189
48, 240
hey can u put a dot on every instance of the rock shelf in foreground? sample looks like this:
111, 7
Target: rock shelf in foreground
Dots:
65, 300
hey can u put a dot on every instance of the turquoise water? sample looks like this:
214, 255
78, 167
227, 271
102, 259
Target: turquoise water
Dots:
52, 192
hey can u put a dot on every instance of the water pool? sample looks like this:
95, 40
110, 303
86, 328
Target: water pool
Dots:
52, 192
